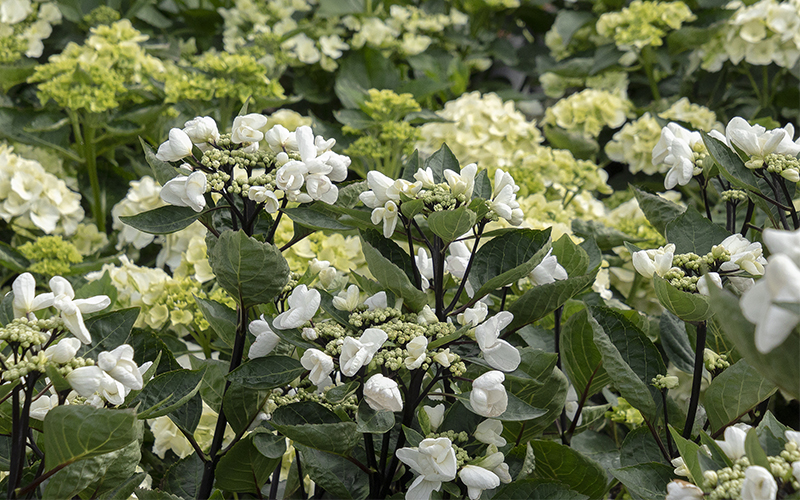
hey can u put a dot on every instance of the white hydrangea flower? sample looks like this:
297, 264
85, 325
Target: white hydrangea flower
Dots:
417, 351
548, 271
25, 298
183, 191
658, 261
359, 352
320, 365
733, 444
246, 128
382, 393
347, 300
477, 479
678, 489
759, 484
72, 309
434, 461
497, 352
678, 148
119, 364
425, 267
744, 255
488, 397
703, 282
435, 415
489, 432
303, 305
177, 147
266, 339
462, 183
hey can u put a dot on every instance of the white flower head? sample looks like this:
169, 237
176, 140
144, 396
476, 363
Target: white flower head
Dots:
183, 191
649, 262
246, 128
303, 305
72, 309
497, 352
488, 397
25, 298
266, 339
425, 267
260, 194
759, 484
389, 214
676, 148
202, 131
417, 351
758, 142
733, 444
784, 242
474, 316
41, 406
744, 255
435, 415
462, 183
359, 352
703, 282
382, 393
120, 366
434, 460
425, 176
280, 139
319, 363
477, 479
679, 489
347, 300
178, 146
489, 432
548, 271
64, 351
780, 283
377, 301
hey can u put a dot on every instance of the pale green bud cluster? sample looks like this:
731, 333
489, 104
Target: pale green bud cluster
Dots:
665, 382
462, 457
101, 15
29, 332
301, 394
677, 278
791, 452
439, 198
216, 181
786, 166
365, 319
51, 255
461, 437
294, 279
624, 413
393, 359
438, 330
729, 480
643, 24
714, 361
38, 363
733, 195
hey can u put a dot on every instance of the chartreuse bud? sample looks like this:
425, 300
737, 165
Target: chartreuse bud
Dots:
51, 255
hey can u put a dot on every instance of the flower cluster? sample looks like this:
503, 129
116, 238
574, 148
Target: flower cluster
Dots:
32, 198
482, 129
587, 112
693, 273
761, 146
263, 30
234, 165
761, 304
760, 33
741, 479
643, 23
102, 73
23, 26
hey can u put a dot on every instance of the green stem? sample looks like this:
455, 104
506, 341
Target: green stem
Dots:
648, 69
86, 140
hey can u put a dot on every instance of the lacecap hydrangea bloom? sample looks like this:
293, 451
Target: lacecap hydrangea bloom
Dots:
761, 33
111, 62
643, 24
589, 111
23, 26
31, 198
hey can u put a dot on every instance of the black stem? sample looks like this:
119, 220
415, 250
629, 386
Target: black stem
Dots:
417, 276
666, 423
275, 481
408, 416
467, 270
210, 466
503, 300
300, 473
581, 403
749, 215
437, 255
778, 203
697, 378
658, 440
780, 181
704, 192
271, 235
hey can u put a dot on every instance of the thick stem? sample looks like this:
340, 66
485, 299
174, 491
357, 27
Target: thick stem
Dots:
17, 451
793, 211
408, 416
275, 481
467, 270
209, 467
437, 255
562, 418
90, 155
666, 423
417, 277
697, 378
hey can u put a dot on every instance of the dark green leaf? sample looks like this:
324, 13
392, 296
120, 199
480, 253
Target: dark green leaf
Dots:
184, 477
339, 477
734, 392
509, 256
753, 450
251, 271
223, 319
162, 220
443, 159
580, 357
241, 405
338, 438
691, 232
167, 392
517, 410
451, 224
75, 432
570, 256
606, 237
640, 447
373, 422
393, 278
565, 465
647, 481
659, 211
109, 331
537, 489
243, 469
675, 342
314, 219
269, 445
339, 393
266, 373
12, 259
390, 250
685, 305
541, 300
